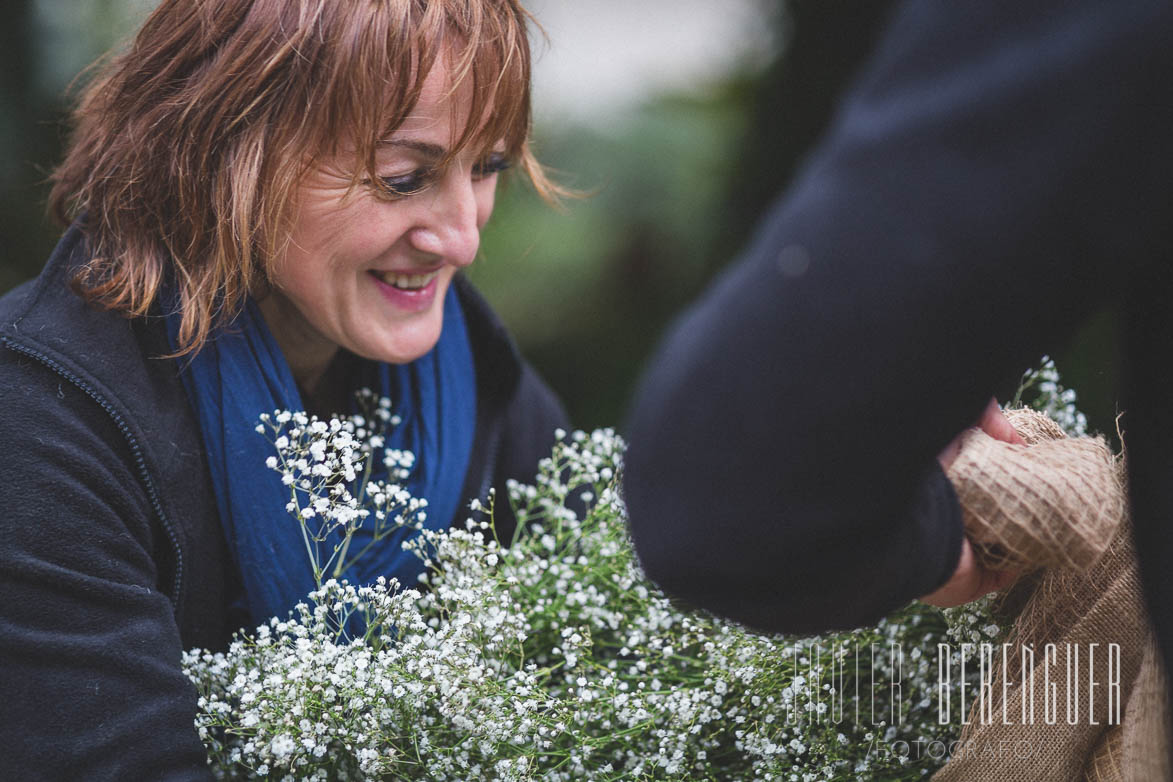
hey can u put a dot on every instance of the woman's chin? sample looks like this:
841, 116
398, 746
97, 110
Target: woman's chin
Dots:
401, 348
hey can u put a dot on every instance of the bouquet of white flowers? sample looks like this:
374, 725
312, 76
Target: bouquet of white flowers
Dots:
552, 657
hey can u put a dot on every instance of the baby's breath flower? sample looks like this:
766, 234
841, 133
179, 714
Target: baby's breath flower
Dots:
552, 659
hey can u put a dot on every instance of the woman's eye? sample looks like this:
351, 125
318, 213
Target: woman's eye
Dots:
493, 164
408, 184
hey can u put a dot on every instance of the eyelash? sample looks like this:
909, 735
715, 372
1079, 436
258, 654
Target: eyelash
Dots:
421, 178
493, 164
409, 184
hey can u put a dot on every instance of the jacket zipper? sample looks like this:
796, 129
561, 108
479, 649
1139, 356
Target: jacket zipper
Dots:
135, 449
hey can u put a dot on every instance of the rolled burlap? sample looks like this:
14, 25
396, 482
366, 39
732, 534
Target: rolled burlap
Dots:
1056, 511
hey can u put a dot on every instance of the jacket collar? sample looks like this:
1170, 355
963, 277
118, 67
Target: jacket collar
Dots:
100, 349
497, 357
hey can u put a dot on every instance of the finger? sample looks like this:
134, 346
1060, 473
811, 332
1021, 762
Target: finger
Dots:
994, 423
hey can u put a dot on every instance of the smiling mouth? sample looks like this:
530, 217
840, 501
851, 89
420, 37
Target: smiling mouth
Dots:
407, 282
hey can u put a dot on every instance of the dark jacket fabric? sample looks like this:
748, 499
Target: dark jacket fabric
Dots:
112, 560
999, 173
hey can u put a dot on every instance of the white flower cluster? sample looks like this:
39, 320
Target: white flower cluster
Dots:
327, 466
552, 658
974, 623
298, 699
1052, 399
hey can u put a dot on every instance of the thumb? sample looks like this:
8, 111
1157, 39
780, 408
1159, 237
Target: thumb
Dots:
994, 423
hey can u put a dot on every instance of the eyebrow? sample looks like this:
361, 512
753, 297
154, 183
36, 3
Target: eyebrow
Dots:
424, 147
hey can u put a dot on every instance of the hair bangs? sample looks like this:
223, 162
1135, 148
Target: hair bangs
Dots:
484, 46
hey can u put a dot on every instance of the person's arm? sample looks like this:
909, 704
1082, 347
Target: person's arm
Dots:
89, 646
987, 185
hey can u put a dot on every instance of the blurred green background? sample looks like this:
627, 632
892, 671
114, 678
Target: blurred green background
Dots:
682, 142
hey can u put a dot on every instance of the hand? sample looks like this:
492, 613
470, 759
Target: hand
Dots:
970, 580
993, 423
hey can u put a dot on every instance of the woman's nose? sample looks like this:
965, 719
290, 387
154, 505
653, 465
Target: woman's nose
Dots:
451, 227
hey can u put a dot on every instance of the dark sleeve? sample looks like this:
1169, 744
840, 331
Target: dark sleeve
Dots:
89, 646
992, 179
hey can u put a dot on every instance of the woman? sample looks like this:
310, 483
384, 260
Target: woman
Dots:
271, 202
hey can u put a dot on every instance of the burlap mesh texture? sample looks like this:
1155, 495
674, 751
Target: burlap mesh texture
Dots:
1055, 503
1055, 510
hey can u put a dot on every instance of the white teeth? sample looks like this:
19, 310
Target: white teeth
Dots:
407, 282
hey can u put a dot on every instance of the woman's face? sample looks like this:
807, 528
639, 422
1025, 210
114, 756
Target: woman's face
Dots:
368, 274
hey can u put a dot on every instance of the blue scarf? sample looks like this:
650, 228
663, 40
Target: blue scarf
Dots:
240, 373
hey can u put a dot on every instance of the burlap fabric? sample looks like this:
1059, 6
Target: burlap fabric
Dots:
1055, 510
